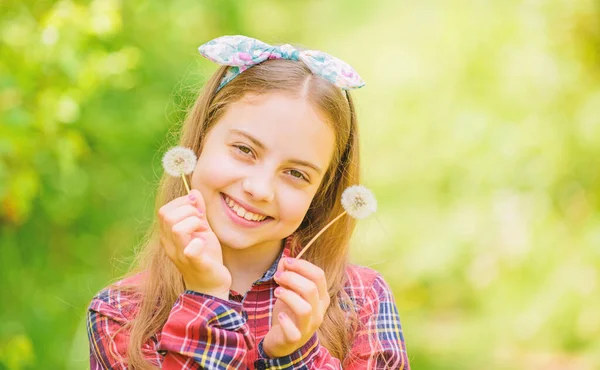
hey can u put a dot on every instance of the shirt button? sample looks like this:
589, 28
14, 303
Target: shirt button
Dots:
260, 365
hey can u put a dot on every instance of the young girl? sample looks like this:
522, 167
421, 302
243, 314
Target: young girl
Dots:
217, 286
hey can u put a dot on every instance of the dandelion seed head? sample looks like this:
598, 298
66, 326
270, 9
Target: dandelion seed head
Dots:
178, 160
358, 201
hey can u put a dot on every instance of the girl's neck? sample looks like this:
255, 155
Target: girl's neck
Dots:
249, 264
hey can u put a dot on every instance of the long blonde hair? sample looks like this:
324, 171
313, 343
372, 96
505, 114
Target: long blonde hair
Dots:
162, 283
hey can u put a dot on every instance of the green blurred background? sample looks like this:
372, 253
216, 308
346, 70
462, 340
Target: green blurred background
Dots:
480, 134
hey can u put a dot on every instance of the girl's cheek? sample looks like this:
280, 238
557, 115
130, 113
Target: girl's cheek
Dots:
215, 165
294, 203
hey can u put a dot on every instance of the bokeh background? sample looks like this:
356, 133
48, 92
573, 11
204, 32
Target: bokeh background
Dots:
480, 134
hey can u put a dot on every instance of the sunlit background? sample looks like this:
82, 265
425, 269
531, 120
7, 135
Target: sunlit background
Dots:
480, 127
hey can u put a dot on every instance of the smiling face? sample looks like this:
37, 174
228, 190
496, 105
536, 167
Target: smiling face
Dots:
260, 167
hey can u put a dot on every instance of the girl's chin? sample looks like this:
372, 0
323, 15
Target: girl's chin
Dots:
233, 240
241, 243
236, 245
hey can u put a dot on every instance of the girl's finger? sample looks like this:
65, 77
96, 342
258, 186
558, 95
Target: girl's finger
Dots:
182, 232
290, 332
194, 198
177, 215
310, 272
302, 310
194, 249
197, 199
195, 252
300, 285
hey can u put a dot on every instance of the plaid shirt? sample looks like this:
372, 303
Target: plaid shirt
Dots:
206, 332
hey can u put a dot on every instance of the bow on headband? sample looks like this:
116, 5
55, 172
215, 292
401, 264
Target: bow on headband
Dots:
241, 53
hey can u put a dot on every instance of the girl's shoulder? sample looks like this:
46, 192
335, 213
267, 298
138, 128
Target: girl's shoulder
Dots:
365, 285
121, 298
362, 277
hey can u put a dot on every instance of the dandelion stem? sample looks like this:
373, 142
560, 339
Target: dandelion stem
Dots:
319, 233
187, 187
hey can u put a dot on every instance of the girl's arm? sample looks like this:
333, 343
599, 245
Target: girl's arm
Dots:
202, 332
378, 343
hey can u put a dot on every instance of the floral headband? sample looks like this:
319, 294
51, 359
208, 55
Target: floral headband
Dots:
241, 53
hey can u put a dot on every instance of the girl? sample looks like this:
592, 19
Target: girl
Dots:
216, 286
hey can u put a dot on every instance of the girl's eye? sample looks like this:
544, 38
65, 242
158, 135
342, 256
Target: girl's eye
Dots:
244, 149
297, 174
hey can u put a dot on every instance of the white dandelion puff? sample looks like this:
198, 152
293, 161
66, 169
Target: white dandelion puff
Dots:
178, 162
359, 201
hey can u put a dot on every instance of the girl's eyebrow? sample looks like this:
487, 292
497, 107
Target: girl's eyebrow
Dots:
254, 140
300, 162
262, 146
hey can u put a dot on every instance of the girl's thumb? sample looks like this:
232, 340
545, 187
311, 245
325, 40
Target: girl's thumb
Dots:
194, 248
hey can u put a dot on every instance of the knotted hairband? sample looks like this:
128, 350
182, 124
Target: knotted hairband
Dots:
241, 52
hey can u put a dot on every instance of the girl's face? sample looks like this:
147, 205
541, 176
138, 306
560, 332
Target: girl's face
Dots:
260, 167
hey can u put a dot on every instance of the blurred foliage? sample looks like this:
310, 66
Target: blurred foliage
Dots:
481, 138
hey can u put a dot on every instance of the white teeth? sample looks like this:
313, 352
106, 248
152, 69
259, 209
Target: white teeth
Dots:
256, 217
240, 211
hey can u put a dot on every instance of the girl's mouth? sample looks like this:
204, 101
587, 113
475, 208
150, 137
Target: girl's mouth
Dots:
242, 216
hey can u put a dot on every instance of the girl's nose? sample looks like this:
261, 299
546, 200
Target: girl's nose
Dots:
259, 186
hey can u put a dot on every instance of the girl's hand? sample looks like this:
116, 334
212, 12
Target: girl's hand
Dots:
193, 247
299, 309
